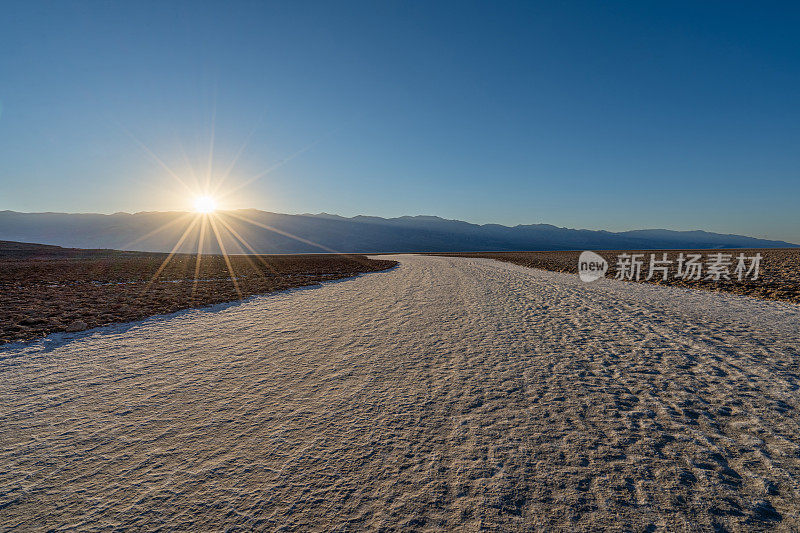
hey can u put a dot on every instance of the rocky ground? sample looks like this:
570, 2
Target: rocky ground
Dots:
779, 277
47, 289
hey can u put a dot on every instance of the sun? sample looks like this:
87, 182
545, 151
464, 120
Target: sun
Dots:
205, 204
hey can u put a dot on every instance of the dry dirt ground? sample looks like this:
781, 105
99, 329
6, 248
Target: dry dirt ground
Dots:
47, 289
779, 277
447, 394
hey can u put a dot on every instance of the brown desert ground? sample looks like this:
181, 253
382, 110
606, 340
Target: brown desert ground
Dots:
779, 277
48, 289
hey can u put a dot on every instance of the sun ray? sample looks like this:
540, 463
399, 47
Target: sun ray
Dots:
157, 230
203, 224
252, 250
273, 167
225, 256
354, 257
157, 159
232, 164
189, 165
171, 254
285, 160
284, 233
240, 242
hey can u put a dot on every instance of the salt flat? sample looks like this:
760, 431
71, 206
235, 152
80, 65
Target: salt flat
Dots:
447, 393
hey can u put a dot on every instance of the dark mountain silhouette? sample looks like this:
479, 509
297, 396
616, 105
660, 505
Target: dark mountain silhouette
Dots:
266, 232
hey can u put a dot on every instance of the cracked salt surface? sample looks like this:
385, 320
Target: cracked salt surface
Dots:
444, 394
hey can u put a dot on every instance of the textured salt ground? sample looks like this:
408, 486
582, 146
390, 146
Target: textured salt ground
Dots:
447, 393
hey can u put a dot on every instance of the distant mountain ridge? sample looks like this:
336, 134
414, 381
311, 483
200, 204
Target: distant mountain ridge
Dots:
266, 232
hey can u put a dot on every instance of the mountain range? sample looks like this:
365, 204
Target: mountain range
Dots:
266, 232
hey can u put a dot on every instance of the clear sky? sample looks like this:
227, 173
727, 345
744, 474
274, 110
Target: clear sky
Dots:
601, 115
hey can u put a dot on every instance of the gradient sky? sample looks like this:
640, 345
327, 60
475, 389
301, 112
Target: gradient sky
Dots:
581, 114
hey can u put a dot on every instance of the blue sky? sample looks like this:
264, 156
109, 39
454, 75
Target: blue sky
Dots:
581, 114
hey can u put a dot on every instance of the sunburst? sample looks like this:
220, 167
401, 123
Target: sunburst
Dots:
208, 219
